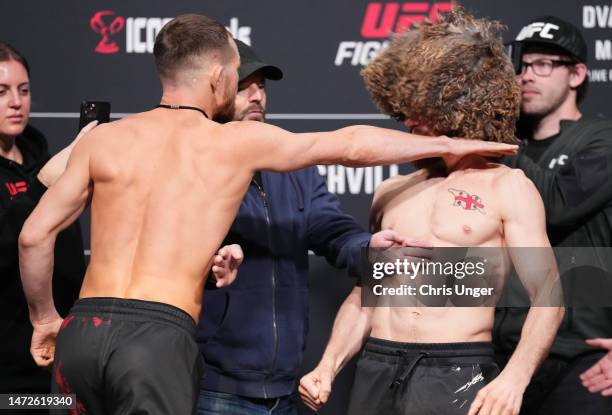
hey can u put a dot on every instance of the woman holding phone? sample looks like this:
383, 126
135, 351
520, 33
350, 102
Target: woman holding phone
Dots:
26, 171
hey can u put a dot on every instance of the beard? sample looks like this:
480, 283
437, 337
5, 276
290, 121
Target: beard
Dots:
225, 113
545, 105
533, 112
242, 115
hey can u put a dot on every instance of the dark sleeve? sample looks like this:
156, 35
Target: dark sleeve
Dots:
577, 190
332, 233
21, 206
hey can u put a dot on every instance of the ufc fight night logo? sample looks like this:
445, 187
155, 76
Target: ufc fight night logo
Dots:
381, 20
140, 32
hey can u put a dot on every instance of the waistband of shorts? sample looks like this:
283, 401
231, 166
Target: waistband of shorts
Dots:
390, 347
133, 309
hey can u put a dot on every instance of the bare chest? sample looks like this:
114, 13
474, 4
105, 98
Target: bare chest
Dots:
449, 212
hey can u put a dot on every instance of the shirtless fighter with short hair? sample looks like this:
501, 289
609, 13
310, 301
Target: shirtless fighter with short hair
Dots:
449, 78
164, 187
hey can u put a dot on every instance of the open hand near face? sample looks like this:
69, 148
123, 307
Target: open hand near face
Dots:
461, 147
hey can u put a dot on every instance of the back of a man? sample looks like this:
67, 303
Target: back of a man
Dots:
153, 203
164, 187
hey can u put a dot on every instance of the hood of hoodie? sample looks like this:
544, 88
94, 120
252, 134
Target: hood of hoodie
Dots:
34, 149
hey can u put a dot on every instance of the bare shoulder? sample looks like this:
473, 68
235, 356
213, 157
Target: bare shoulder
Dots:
244, 129
98, 134
391, 188
513, 180
237, 135
401, 182
111, 129
518, 195
104, 140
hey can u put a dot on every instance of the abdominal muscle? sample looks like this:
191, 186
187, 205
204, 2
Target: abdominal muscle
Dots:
433, 324
433, 217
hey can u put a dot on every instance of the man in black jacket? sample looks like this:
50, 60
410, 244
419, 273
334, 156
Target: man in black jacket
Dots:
252, 364
568, 158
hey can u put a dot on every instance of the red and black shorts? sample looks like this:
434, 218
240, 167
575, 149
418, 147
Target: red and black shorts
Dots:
128, 356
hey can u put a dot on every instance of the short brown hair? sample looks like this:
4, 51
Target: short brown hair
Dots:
453, 76
9, 53
186, 38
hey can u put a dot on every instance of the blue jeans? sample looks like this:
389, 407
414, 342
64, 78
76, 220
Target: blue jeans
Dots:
219, 403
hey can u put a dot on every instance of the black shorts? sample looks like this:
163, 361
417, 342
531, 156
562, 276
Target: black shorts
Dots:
126, 357
420, 379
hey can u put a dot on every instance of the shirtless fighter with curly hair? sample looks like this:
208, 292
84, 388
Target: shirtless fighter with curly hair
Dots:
450, 78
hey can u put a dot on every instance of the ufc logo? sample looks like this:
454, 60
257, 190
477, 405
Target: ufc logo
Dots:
559, 160
382, 19
543, 28
15, 188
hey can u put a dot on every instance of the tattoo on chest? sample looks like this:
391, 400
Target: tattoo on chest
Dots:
466, 201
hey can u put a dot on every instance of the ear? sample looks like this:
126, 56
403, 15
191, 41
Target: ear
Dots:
577, 75
216, 79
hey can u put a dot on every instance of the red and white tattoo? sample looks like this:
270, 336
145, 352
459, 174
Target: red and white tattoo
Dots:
467, 201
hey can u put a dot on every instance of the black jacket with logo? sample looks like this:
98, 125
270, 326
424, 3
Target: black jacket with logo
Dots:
20, 191
574, 178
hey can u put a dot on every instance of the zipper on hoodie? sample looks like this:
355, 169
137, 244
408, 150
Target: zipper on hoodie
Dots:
263, 195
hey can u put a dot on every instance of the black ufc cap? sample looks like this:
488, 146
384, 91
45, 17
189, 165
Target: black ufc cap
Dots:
553, 31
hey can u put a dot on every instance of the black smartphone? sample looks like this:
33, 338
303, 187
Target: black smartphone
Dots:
94, 110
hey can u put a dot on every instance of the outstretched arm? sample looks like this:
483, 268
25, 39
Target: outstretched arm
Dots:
524, 230
58, 208
279, 150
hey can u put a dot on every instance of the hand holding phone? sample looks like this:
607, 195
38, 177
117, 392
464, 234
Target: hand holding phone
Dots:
94, 111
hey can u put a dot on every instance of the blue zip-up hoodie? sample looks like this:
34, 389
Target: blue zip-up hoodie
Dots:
252, 334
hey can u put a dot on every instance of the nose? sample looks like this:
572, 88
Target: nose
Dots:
527, 74
410, 123
255, 93
15, 99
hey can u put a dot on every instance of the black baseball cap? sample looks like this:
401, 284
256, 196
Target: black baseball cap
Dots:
556, 32
249, 63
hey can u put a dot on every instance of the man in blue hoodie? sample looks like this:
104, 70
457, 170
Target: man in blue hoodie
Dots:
252, 334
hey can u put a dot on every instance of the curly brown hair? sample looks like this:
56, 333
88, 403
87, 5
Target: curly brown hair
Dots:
453, 76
